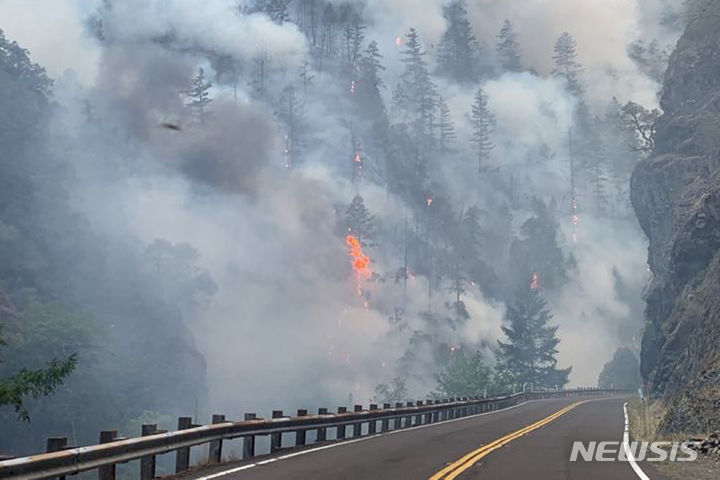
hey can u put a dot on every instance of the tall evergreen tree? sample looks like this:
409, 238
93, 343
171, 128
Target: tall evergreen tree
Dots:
416, 99
458, 49
567, 65
199, 96
360, 223
528, 356
508, 49
482, 122
370, 84
445, 127
537, 251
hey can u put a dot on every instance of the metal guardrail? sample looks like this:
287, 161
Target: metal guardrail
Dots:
61, 461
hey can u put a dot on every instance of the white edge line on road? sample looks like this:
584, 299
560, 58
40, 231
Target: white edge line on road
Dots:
628, 451
349, 442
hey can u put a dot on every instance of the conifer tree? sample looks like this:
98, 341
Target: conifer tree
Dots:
482, 122
508, 49
370, 84
199, 96
360, 223
458, 49
567, 65
416, 99
528, 356
445, 127
538, 250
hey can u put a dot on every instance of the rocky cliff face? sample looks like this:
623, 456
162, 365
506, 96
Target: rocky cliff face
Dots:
676, 195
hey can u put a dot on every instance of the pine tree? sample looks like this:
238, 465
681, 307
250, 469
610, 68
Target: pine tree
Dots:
482, 122
360, 223
458, 49
416, 99
446, 128
537, 251
567, 66
508, 49
369, 84
528, 356
354, 39
199, 96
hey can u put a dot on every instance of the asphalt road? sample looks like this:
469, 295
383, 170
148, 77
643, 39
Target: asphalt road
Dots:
422, 453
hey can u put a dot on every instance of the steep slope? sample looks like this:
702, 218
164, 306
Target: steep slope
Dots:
676, 195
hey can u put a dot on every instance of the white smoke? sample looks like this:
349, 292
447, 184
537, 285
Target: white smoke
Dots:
287, 321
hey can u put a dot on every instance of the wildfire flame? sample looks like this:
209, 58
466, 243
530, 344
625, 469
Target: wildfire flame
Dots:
359, 261
429, 201
357, 158
534, 281
398, 41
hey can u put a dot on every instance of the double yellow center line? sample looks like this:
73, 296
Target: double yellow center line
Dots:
456, 468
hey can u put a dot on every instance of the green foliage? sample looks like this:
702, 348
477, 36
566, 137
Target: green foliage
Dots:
528, 356
623, 371
360, 223
465, 375
394, 392
34, 383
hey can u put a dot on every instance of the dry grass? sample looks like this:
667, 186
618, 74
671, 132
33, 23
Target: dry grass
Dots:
644, 421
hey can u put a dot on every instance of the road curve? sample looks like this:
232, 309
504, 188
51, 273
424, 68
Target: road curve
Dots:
530, 447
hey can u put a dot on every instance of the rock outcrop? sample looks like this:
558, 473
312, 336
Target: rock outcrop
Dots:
676, 195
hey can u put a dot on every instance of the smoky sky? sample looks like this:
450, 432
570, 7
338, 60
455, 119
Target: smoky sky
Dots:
286, 312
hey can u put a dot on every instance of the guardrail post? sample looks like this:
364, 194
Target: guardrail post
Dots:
419, 416
182, 455
215, 449
147, 464
408, 419
249, 440
341, 428
429, 415
300, 434
385, 423
357, 427
276, 438
322, 432
56, 444
108, 471
397, 423
372, 426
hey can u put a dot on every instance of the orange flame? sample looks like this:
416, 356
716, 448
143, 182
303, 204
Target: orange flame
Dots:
360, 261
429, 201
